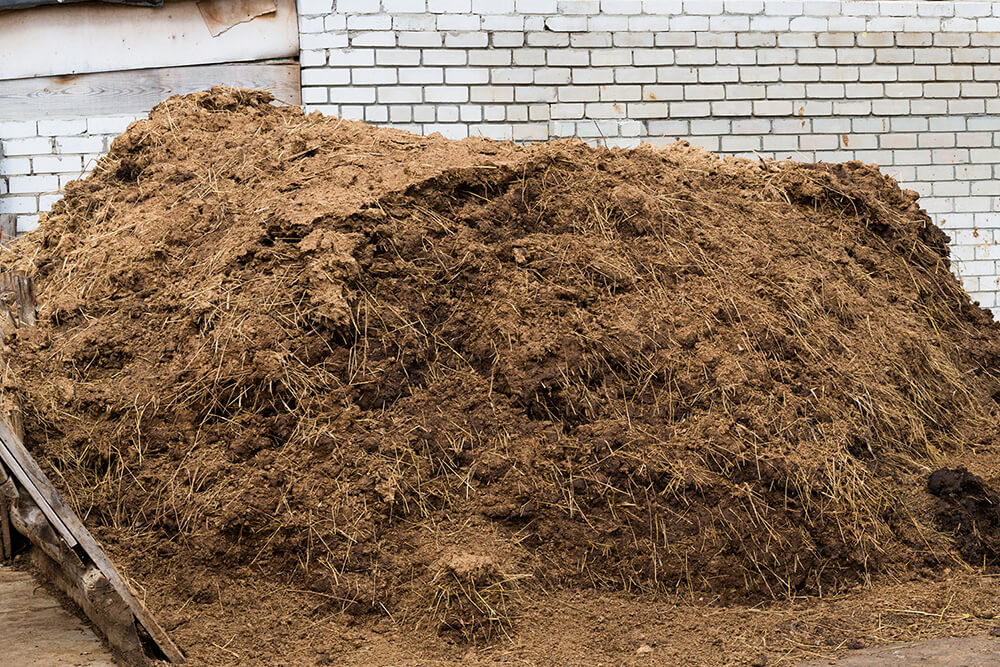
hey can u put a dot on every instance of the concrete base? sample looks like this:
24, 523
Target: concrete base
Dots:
36, 630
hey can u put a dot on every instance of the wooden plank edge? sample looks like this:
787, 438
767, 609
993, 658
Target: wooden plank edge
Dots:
26, 480
82, 536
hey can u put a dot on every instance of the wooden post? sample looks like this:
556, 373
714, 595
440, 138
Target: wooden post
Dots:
8, 228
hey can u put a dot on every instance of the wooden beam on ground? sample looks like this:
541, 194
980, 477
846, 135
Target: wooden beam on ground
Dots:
27, 473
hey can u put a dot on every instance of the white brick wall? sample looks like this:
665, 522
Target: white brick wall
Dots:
912, 86
38, 158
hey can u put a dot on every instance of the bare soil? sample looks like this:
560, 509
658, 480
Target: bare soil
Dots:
335, 393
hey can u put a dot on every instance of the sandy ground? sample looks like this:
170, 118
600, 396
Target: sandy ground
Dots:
965, 651
36, 630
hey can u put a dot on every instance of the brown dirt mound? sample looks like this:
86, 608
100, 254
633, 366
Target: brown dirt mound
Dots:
416, 378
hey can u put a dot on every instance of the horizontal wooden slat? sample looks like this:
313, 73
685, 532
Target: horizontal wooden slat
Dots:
137, 91
95, 37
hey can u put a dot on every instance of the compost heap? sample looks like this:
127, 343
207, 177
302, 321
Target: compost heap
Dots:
419, 377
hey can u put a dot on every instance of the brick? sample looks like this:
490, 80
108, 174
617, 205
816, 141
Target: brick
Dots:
704, 92
897, 55
808, 24
759, 74
376, 38
466, 40
17, 129
329, 76
534, 94
879, 73
772, 108
957, 39
694, 57
835, 39
799, 73
754, 40
32, 184
732, 108
80, 144
414, 75
663, 93
490, 58
26, 146
307, 7
56, 164
745, 92
876, 39
846, 24
18, 204
839, 73
625, 39
674, 38
352, 95
604, 110
903, 89
590, 75
786, 90
825, 90
566, 23
740, 144
635, 75
716, 39
377, 22
508, 39
459, 23
736, 56
568, 58
797, 39
306, 59
689, 23
610, 57
429, 57
605, 23
51, 128
361, 58
651, 57
503, 23
109, 125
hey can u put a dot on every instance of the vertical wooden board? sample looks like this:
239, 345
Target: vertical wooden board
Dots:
8, 221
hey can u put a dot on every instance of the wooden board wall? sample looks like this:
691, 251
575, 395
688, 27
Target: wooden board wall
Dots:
98, 37
137, 91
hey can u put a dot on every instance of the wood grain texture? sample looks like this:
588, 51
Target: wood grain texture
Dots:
28, 474
90, 37
138, 91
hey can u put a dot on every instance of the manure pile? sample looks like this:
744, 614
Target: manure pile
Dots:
419, 379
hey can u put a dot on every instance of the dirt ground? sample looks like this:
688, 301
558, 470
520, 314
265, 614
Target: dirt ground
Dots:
37, 630
342, 394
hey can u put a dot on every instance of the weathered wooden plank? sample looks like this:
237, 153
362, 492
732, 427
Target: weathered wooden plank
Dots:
26, 472
8, 226
138, 91
11, 445
74, 39
90, 589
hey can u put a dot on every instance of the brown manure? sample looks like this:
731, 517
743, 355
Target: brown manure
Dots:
416, 379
